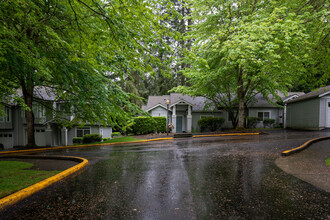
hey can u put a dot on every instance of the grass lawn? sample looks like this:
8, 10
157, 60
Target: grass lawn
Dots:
121, 139
15, 175
328, 161
116, 140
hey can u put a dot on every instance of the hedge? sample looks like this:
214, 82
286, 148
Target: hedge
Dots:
77, 140
113, 134
92, 138
146, 125
269, 122
160, 123
252, 122
210, 123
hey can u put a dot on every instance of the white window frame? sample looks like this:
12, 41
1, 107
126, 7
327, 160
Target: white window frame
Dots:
83, 128
7, 117
38, 110
263, 115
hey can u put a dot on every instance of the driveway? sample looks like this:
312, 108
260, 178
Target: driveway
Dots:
206, 178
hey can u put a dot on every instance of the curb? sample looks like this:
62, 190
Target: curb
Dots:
78, 146
303, 146
231, 134
17, 196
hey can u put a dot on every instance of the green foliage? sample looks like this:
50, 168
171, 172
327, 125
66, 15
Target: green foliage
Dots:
77, 140
78, 50
91, 138
268, 122
252, 122
210, 123
114, 134
146, 125
143, 125
106, 139
16, 175
241, 48
160, 124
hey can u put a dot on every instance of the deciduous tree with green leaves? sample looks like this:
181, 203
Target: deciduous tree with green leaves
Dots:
242, 47
74, 49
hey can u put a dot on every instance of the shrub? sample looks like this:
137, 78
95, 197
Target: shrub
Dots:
143, 125
252, 122
92, 138
106, 139
114, 134
160, 124
77, 140
268, 122
210, 123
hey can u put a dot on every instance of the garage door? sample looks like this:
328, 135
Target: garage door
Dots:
40, 136
7, 140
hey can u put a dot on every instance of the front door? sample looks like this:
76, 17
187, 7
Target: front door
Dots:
328, 114
178, 123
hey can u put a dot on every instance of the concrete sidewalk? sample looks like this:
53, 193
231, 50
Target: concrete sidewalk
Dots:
309, 165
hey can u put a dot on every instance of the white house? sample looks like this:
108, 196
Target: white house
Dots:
185, 111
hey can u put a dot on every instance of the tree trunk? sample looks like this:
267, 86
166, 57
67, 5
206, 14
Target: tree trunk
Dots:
29, 116
240, 96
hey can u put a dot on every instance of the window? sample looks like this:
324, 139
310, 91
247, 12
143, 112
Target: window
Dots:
38, 110
329, 104
263, 115
82, 131
7, 116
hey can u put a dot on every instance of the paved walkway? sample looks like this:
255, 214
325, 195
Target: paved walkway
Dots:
309, 165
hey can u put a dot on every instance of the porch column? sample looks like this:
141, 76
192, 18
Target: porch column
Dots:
64, 140
49, 137
189, 119
174, 119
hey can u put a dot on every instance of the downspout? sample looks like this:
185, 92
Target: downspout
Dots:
284, 116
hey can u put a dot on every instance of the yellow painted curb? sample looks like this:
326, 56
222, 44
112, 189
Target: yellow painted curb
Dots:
303, 146
218, 135
15, 197
78, 146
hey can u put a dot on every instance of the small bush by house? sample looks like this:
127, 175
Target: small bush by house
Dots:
114, 134
77, 140
252, 122
269, 122
91, 138
210, 123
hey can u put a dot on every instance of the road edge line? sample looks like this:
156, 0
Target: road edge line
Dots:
28, 191
218, 135
303, 146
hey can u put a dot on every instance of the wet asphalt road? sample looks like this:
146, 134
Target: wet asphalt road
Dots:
206, 178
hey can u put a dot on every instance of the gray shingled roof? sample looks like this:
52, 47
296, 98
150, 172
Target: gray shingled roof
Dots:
43, 93
313, 94
198, 103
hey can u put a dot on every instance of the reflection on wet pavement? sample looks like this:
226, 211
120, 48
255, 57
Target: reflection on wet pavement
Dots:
207, 178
